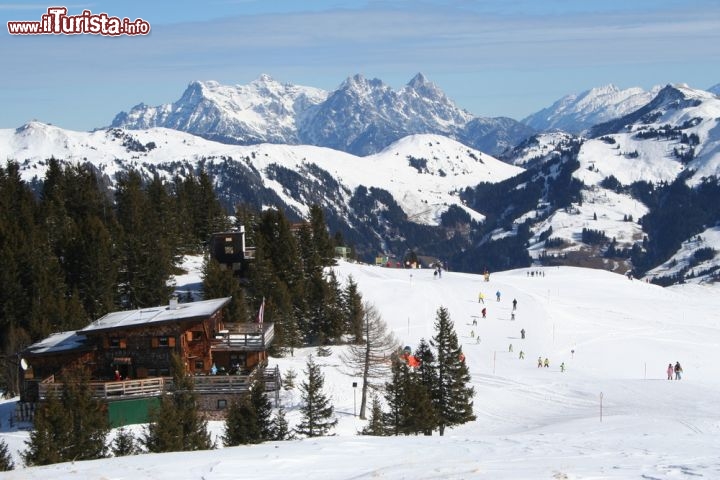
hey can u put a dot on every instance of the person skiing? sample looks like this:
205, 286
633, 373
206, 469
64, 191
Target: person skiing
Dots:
484, 312
522, 355
514, 304
474, 322
522, 334
678, 371
562, 367
670, 371
546, 363
497, 294
481, 298
510, 348
540, 362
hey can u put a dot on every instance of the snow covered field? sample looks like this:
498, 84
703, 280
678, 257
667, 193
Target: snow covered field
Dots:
532, 423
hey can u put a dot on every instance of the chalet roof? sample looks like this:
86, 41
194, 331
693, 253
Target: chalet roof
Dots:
156, 315
56, 343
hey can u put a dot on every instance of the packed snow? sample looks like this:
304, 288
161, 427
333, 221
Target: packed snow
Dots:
612, 414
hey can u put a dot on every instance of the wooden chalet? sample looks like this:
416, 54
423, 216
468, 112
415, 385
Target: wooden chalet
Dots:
229, 249
129, 356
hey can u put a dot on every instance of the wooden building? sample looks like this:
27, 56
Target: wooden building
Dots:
129, 355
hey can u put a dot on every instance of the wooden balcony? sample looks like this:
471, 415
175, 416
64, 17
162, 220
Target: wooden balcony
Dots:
152, 387
253, 337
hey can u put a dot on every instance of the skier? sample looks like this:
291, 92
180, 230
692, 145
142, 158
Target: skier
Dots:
474, 322
522, 355
670, 371
539, 362
478, 339
546, 363
678, 371
481, 298
484, 312
562, 367
514, 304
510, 348
522, 334
512, 315
497, 294
472, 333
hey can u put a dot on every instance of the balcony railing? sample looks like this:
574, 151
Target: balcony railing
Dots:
244, 336
204, 384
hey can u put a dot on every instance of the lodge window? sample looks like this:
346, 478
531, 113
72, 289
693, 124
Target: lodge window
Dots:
163, 341
116, 342
197, 335
222, 404
199, 365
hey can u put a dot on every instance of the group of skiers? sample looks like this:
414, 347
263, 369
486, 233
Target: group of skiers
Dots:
677, 370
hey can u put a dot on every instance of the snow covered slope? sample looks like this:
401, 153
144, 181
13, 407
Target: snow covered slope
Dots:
611, 415
576, 113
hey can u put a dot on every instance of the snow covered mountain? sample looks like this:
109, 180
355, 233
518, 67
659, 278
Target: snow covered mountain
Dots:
361, 116
576, 113
416, 180
263, 111
618, 200
715, 89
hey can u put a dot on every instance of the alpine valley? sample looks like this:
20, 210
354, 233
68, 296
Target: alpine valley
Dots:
614, 179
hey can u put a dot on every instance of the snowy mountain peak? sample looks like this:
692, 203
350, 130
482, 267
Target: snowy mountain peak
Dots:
577, 113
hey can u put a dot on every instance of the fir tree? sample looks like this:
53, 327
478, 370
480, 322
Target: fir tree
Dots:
353, 310
241, 425
289, 379
177, 425
124, 443
453, 396
6, 462
321, 238
279, 427
263, 408
218, 283
316, 410
70, 426
397, 390
376, 422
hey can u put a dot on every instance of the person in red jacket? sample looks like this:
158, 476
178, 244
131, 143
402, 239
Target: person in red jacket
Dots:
670, 371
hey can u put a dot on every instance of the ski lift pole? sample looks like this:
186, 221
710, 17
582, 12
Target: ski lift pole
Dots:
601, 406
494, 357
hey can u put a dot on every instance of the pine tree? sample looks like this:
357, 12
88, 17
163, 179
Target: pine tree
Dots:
241, 425
177, 425
427, 376
376, 422
321, 238
68, 427
289, 379
124, 443
453, 396
280, 428
6, 462
316, 410
369, 360
397, 390
353, 310
49, 436
218, 283
263, 408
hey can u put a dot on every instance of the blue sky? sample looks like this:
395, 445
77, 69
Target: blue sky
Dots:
493, 57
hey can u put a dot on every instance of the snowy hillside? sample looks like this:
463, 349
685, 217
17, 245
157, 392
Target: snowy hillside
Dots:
678, 130
576, 113
612, 414
424, 173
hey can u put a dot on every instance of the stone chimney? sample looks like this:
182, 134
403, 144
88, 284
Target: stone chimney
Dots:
173, 305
